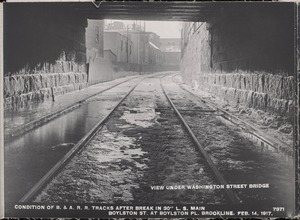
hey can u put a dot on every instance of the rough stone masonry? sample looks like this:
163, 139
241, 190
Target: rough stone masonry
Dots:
245, 58
19, 90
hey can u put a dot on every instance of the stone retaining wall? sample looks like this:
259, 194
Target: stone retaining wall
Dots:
213, 61
22, 89
262, 91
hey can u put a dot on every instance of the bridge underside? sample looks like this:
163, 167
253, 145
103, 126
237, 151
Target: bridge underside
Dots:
179, 11
134, 10
37, 33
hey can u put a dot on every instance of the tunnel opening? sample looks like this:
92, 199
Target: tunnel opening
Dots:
117, 48
253, 37
242, 53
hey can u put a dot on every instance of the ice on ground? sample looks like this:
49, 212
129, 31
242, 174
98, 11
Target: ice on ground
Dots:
106, 171
111, 151
143, 117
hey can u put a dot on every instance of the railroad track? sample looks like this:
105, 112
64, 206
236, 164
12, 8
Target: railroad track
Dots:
253, 134
40, 185
218, 176
69, 155
246, 130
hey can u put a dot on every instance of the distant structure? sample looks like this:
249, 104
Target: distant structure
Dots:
170, 44
135, 49
94, 39
117, 25
109, 55
119, 45
171, 53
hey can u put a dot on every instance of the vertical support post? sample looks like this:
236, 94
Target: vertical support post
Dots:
127, 42
88, 72
52, 94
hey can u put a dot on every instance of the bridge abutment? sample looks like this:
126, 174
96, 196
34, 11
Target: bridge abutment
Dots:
244, 56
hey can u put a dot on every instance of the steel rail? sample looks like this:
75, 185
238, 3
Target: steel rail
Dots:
62, 162
250, 129
46, 118
219, 177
